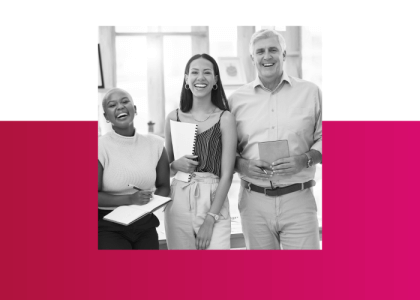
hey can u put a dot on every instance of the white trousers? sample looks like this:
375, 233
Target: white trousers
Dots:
186, 212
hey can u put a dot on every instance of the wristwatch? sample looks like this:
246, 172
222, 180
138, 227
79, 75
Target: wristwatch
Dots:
216, 217
310, 162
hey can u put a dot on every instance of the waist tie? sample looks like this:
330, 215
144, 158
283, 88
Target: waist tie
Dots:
194, 187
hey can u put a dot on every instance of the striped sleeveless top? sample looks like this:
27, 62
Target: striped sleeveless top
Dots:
208, 148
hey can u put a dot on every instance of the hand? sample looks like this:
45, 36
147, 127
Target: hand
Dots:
141, 197
185, 164
290, 165
203, 238
253, 168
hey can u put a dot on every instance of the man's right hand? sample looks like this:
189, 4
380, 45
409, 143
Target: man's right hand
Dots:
185, 164
253, 168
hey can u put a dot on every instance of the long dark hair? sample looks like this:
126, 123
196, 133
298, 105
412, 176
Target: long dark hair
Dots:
218, 97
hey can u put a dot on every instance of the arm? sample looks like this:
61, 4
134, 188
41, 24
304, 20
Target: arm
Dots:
109, 200
248, 167
168, 141
162, 175
228, 128
316, 149
295, 164
252, 168
184, 164
315, 155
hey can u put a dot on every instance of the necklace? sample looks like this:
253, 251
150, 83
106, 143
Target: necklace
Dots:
205, 118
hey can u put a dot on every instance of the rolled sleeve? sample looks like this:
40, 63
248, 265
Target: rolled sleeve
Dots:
318, 123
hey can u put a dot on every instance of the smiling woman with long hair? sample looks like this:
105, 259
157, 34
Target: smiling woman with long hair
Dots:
198, 217
126, 157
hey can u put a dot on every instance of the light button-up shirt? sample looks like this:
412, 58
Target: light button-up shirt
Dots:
292, 112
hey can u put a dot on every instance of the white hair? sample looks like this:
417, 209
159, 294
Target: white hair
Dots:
265, 34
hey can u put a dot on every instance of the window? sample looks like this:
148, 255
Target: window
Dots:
278, 28
223, 43
150, 65
312, 55
132, 74
176, 53
311, 71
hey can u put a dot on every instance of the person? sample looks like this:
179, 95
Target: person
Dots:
127, 157
198, 217
276, 106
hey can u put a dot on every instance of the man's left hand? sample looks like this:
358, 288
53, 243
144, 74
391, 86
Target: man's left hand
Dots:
290, 165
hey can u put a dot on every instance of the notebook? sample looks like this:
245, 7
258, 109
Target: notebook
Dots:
128, 214
183, 136
272, 151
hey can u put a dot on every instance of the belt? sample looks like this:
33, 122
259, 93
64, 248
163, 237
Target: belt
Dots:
278, 191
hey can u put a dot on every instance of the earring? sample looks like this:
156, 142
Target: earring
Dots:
136, 113
215, 86
107, 121
186, 86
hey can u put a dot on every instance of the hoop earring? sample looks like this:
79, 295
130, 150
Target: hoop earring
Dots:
215, 86
186, 86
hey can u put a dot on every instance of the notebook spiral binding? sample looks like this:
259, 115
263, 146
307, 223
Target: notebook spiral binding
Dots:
193, 150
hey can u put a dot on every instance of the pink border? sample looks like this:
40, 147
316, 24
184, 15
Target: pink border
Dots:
370, 226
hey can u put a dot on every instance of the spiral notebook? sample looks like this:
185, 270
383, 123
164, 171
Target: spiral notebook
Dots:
183, 136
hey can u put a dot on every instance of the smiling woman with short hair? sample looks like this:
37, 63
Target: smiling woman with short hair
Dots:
126, 157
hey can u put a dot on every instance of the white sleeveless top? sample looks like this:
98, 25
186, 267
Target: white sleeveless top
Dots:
128, 160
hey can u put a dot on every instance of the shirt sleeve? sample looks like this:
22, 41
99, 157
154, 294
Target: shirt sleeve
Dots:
318, 122
230, 103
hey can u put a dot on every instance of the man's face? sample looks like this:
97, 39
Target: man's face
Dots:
268, 58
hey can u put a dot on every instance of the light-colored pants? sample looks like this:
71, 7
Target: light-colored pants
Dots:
287, 222
186, 212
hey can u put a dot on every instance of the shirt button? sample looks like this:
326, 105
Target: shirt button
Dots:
272, 127
272, 110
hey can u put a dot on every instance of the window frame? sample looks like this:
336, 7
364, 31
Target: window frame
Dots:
156, 91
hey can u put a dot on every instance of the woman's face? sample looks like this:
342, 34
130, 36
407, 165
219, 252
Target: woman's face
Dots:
119, 109
201, 77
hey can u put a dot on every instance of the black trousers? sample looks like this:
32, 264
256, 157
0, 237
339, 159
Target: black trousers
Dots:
141, 234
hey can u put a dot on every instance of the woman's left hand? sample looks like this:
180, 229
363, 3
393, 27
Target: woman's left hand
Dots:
202, 241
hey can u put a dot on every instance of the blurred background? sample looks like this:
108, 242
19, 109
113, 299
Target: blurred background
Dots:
149, 62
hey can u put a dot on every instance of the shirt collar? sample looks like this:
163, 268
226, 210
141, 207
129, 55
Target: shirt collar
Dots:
284, 77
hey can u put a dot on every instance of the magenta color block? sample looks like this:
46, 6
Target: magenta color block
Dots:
371, 213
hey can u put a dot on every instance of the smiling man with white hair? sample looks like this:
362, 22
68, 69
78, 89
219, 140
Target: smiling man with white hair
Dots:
276, 202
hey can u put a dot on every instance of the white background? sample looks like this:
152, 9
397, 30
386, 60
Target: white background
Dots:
48, 52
